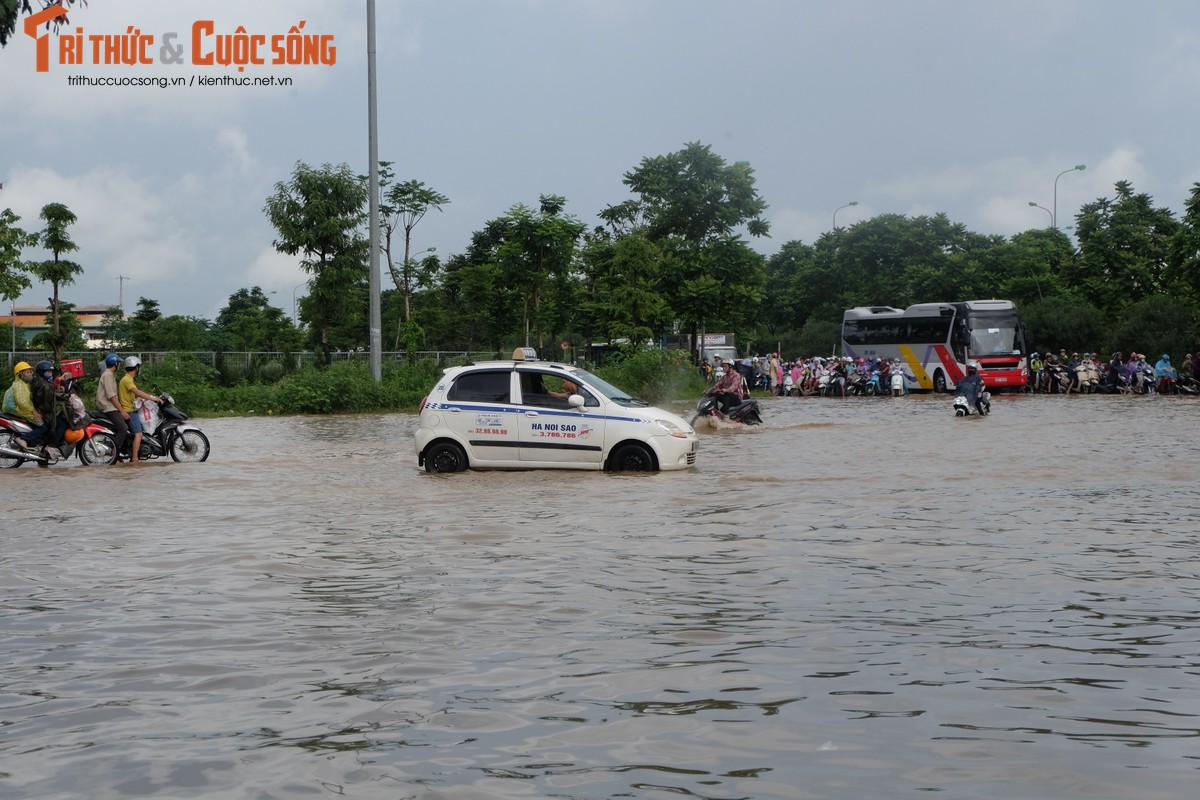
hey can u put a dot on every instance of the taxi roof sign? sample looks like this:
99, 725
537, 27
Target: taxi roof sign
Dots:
525, 354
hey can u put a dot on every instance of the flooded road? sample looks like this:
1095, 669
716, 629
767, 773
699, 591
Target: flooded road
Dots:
860, 599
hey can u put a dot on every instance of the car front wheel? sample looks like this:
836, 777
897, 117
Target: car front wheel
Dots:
632, 458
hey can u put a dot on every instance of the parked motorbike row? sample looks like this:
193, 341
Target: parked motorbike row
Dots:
91, 436
1087, 378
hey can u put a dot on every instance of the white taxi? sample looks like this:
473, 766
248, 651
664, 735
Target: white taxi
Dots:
530, 414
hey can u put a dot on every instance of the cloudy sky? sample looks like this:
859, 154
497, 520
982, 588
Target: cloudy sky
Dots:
966, 107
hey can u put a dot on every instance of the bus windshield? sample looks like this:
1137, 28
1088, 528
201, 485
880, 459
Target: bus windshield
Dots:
995, 334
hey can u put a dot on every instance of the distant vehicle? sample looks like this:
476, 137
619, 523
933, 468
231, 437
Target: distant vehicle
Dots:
936, 342
530, 414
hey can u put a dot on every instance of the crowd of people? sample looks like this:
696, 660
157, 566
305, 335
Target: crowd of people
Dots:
1052, 373
804, 376
1087, 372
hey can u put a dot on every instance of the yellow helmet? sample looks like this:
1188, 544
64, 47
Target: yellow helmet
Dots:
21, 367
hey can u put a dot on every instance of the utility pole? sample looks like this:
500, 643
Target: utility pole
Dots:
376, 333
121, 292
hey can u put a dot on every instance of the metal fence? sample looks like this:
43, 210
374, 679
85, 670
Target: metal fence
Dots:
250, 362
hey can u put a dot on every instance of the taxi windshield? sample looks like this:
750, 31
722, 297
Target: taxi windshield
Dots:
618, 396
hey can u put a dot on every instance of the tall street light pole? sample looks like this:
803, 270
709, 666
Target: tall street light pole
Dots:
295, 308
373, 187
839, 208
1043, 208
1054, 214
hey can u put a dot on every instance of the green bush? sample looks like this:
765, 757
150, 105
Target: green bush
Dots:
655, 375
349, 386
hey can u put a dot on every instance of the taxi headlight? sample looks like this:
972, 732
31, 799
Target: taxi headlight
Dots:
672, 428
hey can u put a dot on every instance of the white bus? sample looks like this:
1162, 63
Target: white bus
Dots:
936, 342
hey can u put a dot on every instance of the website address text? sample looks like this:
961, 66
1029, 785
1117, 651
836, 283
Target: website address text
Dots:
166, 83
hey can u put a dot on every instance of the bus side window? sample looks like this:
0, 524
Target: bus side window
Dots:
960, 341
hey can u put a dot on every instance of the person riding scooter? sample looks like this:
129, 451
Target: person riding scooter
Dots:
730, 390
971, 388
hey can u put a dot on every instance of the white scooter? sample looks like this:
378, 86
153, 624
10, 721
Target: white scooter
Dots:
963, 409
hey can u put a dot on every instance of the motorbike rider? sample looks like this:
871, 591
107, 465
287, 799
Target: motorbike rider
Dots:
18, 401
127, 392
108, 400
45, 397
1165, 374
971, 388
729, 391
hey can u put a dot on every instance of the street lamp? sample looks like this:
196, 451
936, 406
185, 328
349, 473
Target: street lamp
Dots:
1043, 208
839, 208
1054, 214
295, 314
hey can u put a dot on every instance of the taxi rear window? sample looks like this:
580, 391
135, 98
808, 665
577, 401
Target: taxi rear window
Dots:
490, 386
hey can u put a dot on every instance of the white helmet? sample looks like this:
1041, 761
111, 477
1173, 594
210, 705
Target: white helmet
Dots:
133, 362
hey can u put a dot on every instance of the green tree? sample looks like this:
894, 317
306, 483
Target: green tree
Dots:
250, 322
1124, 244
113, 328
139, 329
1155, 325
476, 311
402, 207
13, 241
896, 260
691, 205
534, 250
621, 295
1065, 323
1184, 257
1032, 264
319, 214
11, 335
57, 271
178, 333
70, 334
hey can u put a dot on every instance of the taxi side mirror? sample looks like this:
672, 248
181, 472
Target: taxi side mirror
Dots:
576, 401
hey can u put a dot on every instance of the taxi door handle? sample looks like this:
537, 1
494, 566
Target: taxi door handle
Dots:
454, 410
531, 413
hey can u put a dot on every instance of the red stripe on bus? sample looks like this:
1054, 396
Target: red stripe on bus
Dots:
947, 359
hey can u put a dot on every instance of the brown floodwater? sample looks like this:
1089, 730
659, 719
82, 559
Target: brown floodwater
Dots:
863, 598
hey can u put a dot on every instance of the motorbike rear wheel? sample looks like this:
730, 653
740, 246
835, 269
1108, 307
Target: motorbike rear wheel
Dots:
100, 448
189, 446
9, 440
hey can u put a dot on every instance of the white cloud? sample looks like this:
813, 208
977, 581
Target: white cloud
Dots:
234, 142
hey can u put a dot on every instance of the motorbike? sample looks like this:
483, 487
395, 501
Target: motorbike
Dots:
1054, 379
745, 411
92, 443
165, 431
963, 409
1188, 385
857, 384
